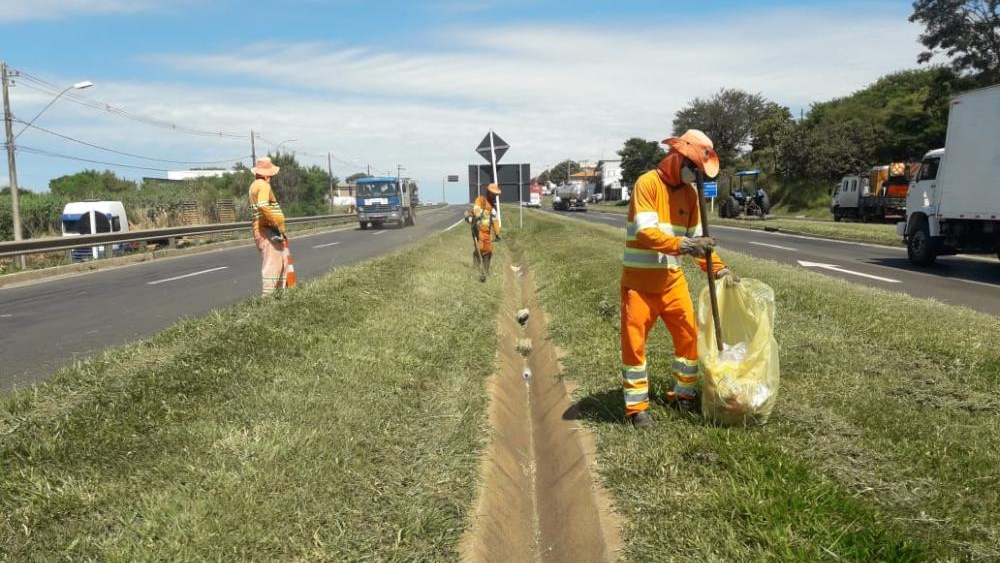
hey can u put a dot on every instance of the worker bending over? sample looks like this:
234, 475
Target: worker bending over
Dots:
485, 228
663, 224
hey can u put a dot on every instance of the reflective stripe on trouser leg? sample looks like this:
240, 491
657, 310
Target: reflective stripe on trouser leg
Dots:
685, 375
635, 384
272, 269
638, 318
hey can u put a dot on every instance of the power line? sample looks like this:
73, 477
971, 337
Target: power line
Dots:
92, 145
40, 152
40, 85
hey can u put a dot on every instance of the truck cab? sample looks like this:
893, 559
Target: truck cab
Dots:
385, 200
847, 196
90, 218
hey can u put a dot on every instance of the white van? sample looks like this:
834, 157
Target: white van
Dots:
91, 218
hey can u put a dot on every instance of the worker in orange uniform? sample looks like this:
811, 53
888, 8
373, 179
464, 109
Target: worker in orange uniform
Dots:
663, 224
485, 228
268, 227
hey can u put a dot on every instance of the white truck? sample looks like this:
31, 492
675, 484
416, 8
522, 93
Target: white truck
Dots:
953, 205
90, 218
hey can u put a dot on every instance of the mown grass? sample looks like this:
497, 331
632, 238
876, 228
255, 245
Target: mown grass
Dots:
884, 445
341, 421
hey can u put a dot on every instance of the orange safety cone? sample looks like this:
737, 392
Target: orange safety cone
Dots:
290, 279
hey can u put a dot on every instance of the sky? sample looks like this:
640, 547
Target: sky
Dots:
417, 83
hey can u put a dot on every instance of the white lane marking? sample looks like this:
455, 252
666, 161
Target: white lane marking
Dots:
326, 245
818, 239
779, 247
158, 282
378, 233
6, 316
835, 268
457, 223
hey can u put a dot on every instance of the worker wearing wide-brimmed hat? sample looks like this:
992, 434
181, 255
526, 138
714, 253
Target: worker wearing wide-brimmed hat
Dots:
663, 224
485, 228
269, 228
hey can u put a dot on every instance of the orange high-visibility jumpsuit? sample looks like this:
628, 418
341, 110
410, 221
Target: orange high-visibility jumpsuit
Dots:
653, 285
267, 214
485, 224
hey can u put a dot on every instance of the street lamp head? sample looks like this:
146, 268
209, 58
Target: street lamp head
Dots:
83, 85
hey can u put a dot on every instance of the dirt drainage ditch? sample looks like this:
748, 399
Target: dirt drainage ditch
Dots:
537, 502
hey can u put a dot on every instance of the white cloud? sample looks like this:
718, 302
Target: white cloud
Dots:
552, 92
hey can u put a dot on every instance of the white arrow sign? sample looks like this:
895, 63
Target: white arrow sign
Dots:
835, 268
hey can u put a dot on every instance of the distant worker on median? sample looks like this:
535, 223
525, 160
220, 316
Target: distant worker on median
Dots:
485, 228
269, 228
663, 224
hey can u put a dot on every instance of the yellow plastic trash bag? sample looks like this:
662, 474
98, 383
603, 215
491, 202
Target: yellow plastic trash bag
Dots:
739, 385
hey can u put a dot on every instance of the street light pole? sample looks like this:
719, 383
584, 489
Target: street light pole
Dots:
8, 119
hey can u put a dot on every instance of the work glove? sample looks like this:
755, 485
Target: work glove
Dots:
697, 246
727, 277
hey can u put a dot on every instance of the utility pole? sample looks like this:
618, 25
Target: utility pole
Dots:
399, 172
329, 169
253, 150
8, 120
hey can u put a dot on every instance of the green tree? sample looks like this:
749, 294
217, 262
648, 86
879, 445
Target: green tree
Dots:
356, 176
638, 157
728, 118
560, 172
968, 31
91, 184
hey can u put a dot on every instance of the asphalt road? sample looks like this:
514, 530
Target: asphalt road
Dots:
970, 281
50, 324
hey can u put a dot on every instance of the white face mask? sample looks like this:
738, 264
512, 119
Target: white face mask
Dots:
687, 175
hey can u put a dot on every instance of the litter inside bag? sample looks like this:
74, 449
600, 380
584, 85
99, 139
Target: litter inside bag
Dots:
735, 353
740, 384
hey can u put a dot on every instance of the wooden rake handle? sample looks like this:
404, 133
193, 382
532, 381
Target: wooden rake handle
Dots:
708, 262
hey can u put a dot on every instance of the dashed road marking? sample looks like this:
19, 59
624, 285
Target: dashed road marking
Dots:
175, 278
326, 245
779, 247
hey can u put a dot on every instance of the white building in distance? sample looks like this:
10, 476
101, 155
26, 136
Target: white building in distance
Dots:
180, 175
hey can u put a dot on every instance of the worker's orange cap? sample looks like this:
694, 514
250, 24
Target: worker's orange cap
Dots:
697, 147
493, 189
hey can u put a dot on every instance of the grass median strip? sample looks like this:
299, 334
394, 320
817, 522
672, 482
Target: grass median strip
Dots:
883, 447
339, 422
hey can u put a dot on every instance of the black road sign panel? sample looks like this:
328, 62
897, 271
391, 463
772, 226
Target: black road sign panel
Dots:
515, 181
453, 178
499, 146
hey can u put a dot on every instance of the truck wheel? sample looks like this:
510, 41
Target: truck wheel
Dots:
836, 214
920, 247
364, 225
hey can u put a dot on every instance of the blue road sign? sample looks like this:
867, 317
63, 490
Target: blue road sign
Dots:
711, 189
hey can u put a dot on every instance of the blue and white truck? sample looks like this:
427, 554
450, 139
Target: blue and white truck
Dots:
385, 200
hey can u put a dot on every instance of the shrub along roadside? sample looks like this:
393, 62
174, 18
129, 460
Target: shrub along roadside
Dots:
883, 447
339, 422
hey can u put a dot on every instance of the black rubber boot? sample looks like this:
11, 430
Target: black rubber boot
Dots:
642, 421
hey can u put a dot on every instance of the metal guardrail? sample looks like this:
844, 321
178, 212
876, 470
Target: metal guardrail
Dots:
52, 244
